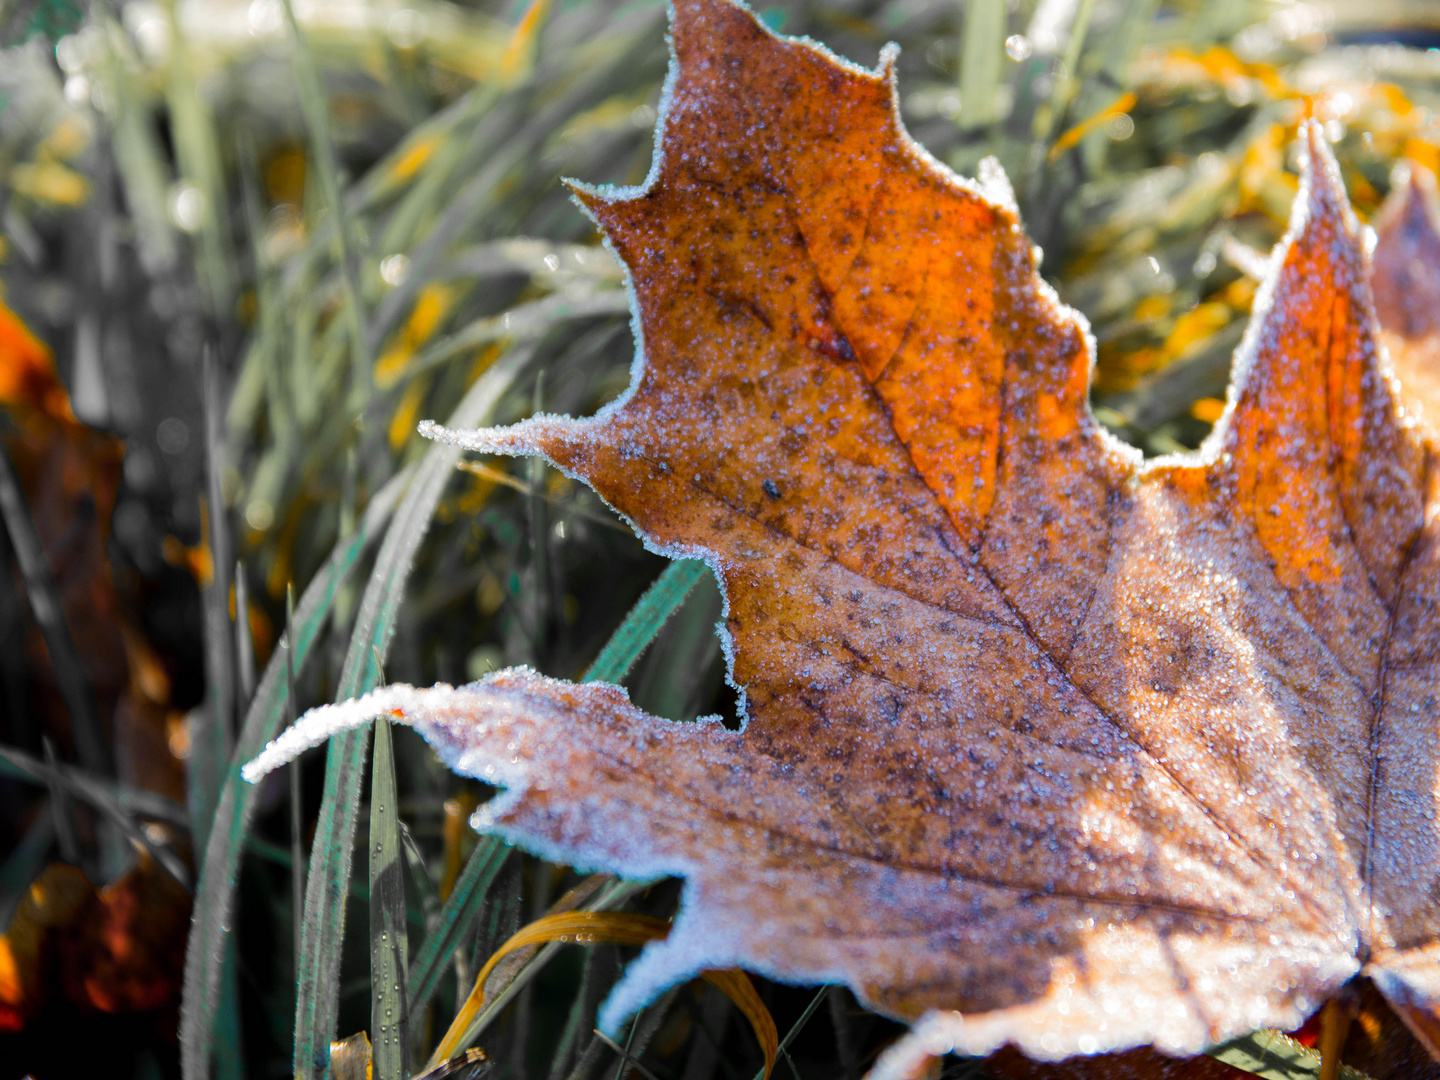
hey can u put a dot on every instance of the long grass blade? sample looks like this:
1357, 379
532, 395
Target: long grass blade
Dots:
24, 863
736, 985
610, 896
795, 1029
626, 1057
297, 825
1122, 44
229, 1041
645, 621
428, 897
62, 812
210, 726
456, 915
389, 937
981, 53
318, 991
578, 927
1053, 109
76, 784
144, 170
322, 146
244, 638
580, 1005
136, 802
643, 1031
197, 151
216, 893
211, 745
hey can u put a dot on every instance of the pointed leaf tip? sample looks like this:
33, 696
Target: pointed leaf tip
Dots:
539, 436
319, 724
1324, 199
1315, 452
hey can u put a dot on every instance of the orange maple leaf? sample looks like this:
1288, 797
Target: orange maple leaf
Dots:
1045, 744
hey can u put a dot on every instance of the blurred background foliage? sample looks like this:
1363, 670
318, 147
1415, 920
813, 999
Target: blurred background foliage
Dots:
246, 246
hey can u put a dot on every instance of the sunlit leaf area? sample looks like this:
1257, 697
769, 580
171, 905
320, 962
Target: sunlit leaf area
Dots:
246, 248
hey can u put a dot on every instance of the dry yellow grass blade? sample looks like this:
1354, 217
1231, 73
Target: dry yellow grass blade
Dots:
736, 985
579, 927
519, 55
608, 928
351, 1059
1124, 103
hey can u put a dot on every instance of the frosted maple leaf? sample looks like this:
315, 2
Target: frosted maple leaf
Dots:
1045, 744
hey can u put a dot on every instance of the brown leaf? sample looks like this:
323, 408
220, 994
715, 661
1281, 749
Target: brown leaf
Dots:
119, 949
50, 905
70, 474
1045, 744
128, 956
1406, 281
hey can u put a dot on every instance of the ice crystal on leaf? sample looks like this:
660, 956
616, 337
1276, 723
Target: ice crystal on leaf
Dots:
1045, 744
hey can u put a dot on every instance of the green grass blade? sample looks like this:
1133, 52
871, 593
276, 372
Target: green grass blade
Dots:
525, 320
426, 193
216, 894
645, 620
799, 1025
197, 151
317, 996
136, 802
427, 895
455, 917
24, 863
99, 794
981, 52
1122, 44
570, 1033
317, 990
211, 726
297, 824
639, 629
143, 169
322, 146
1054, 109
244, 638
389, 942
229, 1052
